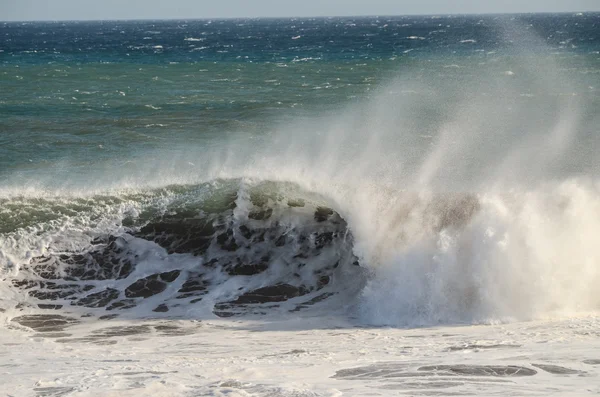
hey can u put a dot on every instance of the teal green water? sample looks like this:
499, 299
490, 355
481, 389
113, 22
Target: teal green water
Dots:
78, 96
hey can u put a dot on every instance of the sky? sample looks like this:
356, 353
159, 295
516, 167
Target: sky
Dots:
20, 10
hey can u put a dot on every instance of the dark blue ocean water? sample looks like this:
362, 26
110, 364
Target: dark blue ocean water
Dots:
284, 40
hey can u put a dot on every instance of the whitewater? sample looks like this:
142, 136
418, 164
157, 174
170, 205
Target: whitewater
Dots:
435, 235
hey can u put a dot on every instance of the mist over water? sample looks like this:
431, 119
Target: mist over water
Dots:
470, 188
463, 199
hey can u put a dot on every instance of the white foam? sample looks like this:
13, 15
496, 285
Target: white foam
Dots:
300, 358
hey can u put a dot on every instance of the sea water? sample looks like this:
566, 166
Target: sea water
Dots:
300, 207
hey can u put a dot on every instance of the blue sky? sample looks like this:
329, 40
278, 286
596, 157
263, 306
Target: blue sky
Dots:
167, 9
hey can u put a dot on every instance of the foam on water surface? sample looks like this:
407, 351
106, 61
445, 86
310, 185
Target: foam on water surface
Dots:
305, 356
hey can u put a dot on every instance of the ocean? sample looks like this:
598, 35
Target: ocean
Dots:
348, 206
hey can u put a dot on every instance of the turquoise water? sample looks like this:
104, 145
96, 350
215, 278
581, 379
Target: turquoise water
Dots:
77, 96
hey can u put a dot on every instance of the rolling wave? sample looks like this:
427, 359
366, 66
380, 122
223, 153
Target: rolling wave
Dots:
232, 249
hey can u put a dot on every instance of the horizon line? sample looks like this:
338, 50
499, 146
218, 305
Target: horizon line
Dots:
304, 17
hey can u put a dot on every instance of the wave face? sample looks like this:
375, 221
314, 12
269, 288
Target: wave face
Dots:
224, 247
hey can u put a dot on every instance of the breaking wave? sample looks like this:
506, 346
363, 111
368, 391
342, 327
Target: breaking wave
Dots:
243, 247
226, 247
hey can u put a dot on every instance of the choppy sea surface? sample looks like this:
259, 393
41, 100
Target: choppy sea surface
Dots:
301, 207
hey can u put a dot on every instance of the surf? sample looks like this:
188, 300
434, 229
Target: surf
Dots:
466, 196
